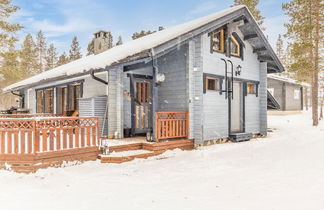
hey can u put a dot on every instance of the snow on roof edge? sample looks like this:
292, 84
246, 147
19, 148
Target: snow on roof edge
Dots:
120, 52
288, 80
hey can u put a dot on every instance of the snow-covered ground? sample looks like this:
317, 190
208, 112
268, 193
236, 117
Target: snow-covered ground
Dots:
283, 171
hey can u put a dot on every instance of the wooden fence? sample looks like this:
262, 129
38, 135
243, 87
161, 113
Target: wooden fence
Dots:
32, 143
171, 125
28, 136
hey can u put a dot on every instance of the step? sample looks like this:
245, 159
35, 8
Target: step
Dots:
239, 137
125, 156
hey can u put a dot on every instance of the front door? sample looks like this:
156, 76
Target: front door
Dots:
237, 108
142, 122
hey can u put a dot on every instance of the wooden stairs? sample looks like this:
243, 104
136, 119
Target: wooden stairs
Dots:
145, 150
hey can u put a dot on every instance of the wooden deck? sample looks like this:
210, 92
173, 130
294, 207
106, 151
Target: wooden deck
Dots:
152, 149
28, 144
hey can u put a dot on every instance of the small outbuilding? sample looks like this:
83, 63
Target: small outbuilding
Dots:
287, 92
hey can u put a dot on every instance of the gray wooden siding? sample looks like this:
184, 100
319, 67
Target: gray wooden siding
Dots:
215, 106
195, 90
278, 91
263, 99
252, 113
172, 93
284, 94
115, 103
93, 88
291, 102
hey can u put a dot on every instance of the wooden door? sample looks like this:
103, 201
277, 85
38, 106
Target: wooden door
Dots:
142, 106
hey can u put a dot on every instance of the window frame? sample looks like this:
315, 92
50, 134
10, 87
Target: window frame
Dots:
236, 42
221, 41
248, 88
216, 84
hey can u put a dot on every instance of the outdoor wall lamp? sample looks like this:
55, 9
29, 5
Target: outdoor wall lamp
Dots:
238, 70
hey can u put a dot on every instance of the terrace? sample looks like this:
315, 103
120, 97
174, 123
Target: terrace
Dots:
29, 142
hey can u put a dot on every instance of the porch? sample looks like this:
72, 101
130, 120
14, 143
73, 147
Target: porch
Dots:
30, 142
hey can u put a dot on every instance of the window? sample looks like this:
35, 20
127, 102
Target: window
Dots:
39, 101
142, 91
251, 88
68, 98
61, 99
217, 41
49, 105
211, 83
74, 96
234, 47
44, 100
296, 94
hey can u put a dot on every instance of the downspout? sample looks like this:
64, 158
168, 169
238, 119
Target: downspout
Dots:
97, 78
21, 98
154, 99
106, 111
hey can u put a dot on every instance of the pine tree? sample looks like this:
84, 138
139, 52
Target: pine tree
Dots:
75, 50
252, 5
7, 30
63, 59
120, 41
305, 29
90, 48
41, 48
28, 56
9, 66
280, 48
51, 57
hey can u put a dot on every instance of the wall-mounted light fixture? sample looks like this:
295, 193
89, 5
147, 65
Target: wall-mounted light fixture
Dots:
238, 70
160, 77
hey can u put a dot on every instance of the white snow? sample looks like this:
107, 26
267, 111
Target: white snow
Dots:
284, 171
120, 52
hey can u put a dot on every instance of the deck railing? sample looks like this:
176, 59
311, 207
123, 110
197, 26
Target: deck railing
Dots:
28, 115
171, 125
41, 135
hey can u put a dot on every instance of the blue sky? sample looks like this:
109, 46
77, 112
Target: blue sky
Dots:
60, 20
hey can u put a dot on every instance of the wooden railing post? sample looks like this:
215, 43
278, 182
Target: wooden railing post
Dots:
98, 132
36, 137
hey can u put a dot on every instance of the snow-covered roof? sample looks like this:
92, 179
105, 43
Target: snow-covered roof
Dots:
288, 80
119, 53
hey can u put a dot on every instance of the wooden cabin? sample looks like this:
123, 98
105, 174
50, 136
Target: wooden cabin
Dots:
204, 80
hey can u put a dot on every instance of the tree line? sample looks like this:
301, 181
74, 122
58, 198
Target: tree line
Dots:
299, 49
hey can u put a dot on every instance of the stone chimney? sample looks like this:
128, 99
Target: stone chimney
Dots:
102, 41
